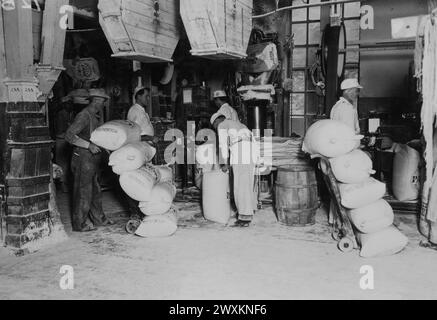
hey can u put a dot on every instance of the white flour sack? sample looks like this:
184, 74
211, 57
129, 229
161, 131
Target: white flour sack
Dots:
158, 226
215, 196
382, 243
330, 138
372, 218
165, 173
354, 167
358, 195
131, 157
206, 156
138, 184
115, 134
406, 173
161, 199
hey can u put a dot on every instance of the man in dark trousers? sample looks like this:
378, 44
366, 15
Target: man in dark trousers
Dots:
64, 118
85, 162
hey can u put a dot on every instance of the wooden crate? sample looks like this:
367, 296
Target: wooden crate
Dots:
136, 31
218, 29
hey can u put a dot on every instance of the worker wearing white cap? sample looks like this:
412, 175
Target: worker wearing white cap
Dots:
221, 101
137, 113
345, 109
237, 149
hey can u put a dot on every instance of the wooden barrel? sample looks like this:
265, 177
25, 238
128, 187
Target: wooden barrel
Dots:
296, 196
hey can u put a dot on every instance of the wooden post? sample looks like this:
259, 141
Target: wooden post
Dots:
53, 36
3, 74
18, 43
52, 52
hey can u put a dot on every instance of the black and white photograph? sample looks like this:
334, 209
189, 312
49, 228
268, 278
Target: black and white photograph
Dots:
218, 155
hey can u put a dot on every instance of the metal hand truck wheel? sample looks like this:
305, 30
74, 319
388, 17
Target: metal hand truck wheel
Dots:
342, 230
133, 223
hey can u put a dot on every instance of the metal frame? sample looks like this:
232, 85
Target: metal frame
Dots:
303, 6
342, 229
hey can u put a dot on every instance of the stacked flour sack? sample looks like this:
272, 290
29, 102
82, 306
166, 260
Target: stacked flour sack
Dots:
152, 186
360, 194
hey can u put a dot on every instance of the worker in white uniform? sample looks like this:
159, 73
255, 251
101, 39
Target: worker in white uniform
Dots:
237, 150
345, 109
137, 113
221, 101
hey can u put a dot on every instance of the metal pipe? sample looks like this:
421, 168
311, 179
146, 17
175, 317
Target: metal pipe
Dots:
302, 6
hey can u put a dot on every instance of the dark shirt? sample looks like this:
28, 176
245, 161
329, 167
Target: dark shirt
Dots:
63, 120
84, 124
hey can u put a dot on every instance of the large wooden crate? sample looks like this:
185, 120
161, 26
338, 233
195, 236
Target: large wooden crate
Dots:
218, 29
136, 30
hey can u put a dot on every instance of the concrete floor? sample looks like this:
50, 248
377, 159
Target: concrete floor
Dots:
207, 261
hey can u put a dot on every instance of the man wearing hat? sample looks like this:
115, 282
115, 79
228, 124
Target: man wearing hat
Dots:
85, 162
345, 109
137, 113
221, 101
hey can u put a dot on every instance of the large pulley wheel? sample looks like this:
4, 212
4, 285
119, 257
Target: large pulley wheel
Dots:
333, 60
334, 45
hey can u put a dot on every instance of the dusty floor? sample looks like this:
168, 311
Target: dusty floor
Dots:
207, 261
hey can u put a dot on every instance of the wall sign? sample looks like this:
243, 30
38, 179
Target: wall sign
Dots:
22, 91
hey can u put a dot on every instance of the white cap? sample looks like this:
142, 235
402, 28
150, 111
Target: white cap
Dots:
350, 84
219, 94
139, 89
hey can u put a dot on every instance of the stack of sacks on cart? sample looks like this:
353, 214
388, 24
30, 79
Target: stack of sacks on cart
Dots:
360, 194
152, 186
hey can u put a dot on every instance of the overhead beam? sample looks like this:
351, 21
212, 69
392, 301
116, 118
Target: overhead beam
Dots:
303, 6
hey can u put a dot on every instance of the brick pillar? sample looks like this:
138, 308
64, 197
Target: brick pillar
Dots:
27, 164
25, 143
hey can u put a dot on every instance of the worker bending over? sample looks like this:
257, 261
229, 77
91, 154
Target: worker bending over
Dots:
85, 163
238, 151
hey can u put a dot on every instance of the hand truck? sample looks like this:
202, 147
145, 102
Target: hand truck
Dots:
342, 229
